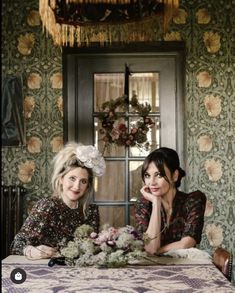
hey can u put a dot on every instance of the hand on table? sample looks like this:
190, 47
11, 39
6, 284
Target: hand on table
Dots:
39, 252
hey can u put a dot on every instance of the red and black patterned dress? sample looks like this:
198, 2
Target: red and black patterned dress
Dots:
187, 217
50, 221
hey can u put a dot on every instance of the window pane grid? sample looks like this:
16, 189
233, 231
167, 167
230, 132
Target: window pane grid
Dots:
127, 189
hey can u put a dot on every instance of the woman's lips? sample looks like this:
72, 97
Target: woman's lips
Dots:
76, 192
154, 189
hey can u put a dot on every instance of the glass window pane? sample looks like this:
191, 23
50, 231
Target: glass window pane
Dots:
135, 181
153, 138
107, 86
111, 186
112, 215
146, 87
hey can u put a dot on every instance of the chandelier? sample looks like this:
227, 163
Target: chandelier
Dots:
81, 22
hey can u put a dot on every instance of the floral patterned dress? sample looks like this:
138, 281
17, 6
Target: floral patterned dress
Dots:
187, 217
50, 221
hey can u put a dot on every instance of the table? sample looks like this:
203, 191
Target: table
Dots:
166, 275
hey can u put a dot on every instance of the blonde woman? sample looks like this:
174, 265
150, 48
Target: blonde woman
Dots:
56, 218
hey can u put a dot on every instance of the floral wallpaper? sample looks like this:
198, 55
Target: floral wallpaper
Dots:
208, 29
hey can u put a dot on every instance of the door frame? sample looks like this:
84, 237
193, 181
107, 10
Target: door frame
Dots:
174, 49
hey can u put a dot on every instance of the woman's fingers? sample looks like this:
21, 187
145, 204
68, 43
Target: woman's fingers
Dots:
146, 193
42, 251
47, 251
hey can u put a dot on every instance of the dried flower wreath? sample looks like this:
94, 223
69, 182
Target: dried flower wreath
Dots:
116, 132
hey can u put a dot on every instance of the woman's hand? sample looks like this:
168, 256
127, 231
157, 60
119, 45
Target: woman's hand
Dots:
39, 252
148, 195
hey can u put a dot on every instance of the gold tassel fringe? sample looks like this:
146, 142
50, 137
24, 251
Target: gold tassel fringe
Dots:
69, 35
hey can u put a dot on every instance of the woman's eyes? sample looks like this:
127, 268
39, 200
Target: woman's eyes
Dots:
83, 181
158, 175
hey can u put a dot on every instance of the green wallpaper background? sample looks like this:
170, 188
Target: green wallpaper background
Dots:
208, 29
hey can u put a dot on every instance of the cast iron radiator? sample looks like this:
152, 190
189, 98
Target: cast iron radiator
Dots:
11, 215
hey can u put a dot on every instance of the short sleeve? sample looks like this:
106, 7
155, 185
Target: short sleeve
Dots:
195, 209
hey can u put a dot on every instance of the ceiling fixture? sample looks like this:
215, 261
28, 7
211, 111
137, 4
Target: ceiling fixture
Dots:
81, 22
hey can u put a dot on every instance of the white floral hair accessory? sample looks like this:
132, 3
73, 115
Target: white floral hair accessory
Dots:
91, 158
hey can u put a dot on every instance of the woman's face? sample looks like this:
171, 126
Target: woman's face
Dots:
157, 184
74, 185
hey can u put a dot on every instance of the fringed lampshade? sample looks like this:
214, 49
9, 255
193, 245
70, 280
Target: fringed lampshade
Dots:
78, 22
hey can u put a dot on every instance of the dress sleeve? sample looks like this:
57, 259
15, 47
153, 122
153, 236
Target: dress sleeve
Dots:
195, 208
93, 217
142, 215
31, 233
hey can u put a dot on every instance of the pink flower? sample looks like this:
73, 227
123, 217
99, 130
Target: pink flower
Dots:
134, 130
93, 235
128, 142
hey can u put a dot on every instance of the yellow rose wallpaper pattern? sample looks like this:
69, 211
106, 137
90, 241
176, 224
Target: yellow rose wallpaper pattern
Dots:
208, 29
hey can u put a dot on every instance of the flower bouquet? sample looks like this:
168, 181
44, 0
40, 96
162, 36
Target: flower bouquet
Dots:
109, 248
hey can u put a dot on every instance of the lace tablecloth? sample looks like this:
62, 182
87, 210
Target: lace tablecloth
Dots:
136, 278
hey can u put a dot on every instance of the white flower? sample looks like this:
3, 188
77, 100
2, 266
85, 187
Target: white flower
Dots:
91, 158
214, 234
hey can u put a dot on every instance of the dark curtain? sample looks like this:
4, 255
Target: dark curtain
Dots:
12, 111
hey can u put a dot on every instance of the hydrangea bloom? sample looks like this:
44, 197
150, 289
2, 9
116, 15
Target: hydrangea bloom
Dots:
109, 248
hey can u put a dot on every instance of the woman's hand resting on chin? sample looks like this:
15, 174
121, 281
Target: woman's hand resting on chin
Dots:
148, 195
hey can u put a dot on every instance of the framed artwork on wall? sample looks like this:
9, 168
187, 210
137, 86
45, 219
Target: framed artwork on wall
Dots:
13, 126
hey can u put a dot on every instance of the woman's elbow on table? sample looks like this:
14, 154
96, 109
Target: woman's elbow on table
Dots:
187, 242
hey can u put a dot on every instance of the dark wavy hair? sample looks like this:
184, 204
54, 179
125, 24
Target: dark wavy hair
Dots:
164, 156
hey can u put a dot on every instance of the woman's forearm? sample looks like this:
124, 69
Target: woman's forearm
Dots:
185, 242
154, 228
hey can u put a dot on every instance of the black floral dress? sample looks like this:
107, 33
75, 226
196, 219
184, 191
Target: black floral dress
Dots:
187, 217
50, 221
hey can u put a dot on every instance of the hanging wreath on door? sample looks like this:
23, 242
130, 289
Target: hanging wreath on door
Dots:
115, 131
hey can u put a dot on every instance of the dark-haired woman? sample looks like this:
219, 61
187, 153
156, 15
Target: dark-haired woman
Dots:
170, 219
